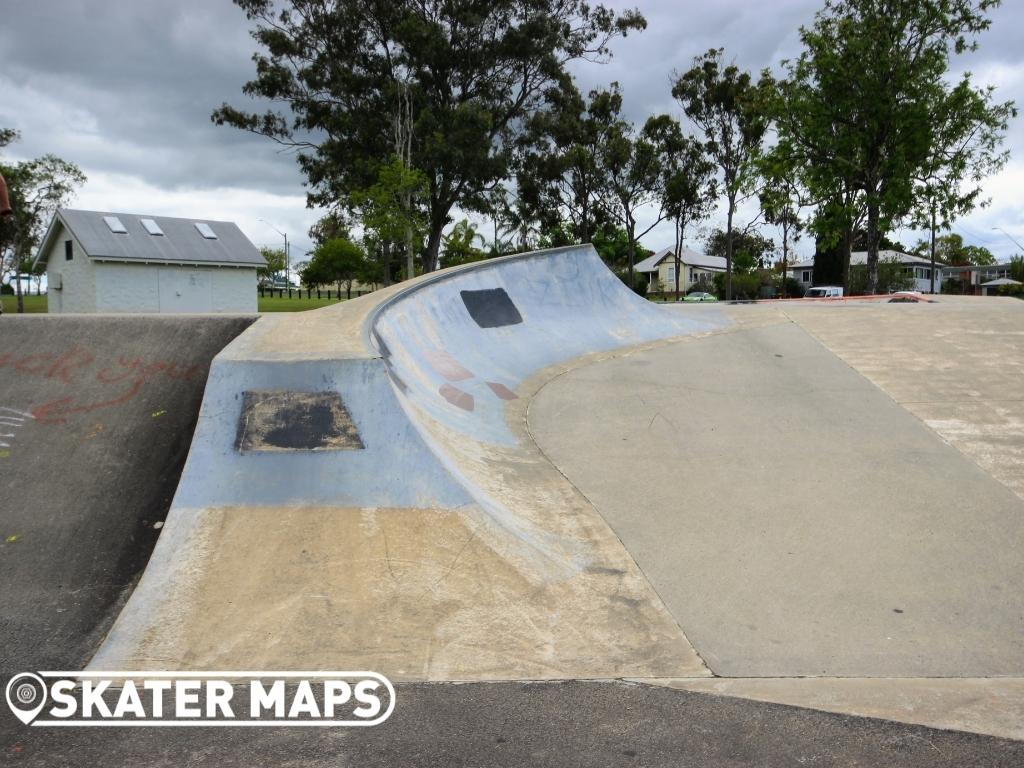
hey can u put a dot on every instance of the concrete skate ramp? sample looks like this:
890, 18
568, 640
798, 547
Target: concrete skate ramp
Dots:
410, 525
96, 416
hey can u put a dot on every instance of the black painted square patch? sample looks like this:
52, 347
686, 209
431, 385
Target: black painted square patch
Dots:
491, 308
295, 421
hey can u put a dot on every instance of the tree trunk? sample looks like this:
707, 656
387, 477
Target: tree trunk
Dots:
679, 251
873, 237
630, 230
785, 253
17, 278
847, 249
385, 250
932, 249
410, 255
728, 248
433, 247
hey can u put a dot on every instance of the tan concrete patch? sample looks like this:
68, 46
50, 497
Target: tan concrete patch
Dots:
990, 705
958, 365
414, 594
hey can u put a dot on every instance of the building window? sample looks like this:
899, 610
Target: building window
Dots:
68, 250
671, 275
692, 277
807, 276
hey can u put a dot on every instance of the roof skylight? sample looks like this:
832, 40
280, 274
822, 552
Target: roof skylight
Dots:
152, 227
115, 225
205, 231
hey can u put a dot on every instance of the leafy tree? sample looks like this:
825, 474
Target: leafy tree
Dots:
891, 277
966, 146
951, 250
560, 176
781, 201
726, 105
339, 261
556, 235
687, 184
331, 225
633, 162
612, 245
499, 206
1017, 268
465, 73
37, 189
391, 209
275, 261
868, 118
885, 243
611, 242
459, 245
751, 250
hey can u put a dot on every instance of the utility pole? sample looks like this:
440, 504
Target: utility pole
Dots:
287, 252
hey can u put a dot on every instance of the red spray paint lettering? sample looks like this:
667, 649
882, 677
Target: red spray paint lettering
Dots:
123, 379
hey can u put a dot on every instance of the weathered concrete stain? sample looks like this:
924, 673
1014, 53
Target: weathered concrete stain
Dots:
295, 421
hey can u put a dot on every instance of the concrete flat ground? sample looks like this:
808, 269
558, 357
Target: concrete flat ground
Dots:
795, 520
564, 724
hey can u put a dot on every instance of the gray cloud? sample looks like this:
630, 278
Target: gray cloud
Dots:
126, 89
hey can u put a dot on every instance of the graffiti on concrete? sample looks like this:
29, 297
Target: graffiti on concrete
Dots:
10, 421
78, 370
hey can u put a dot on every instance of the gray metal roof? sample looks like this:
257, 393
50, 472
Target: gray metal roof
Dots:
860, 258
690, 258
181, 242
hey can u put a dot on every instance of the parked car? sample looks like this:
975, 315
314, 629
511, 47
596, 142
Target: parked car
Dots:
276, 283
700, 296
824, 292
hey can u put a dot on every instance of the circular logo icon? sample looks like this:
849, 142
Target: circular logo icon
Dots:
26, 696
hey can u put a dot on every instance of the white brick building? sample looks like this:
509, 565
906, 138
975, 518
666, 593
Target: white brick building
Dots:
119, 262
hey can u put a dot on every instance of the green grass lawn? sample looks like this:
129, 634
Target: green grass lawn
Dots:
267, 304
284, 304
32, 304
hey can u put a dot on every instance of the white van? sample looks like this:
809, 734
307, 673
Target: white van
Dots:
824, 292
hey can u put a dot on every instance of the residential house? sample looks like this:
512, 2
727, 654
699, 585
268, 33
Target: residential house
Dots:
917, 268
697, 270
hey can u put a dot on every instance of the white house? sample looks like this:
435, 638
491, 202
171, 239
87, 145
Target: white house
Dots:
697, 270
918, 268
124, 262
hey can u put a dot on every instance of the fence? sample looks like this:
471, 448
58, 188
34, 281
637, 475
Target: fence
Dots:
305, 293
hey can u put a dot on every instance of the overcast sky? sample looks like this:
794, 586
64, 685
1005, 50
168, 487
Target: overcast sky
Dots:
125, 90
